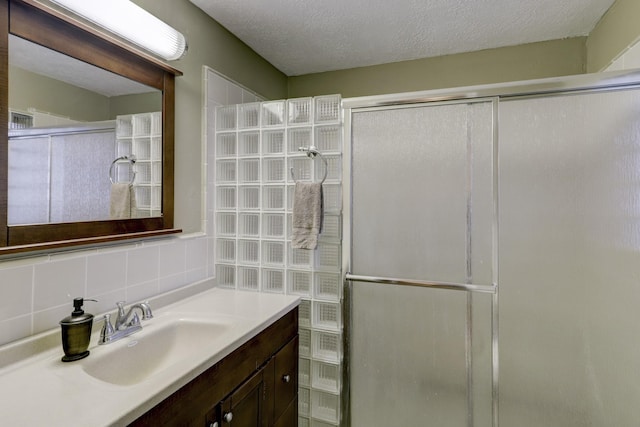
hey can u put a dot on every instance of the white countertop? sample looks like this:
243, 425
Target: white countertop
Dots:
43, 390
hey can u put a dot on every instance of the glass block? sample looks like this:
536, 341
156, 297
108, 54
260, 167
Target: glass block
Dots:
273, 225
303, 421
226, 250
273, 113
328, 257
226, 145
304, 372
318, 423
327, 286
248, 251
299, 283
249, 170
333, 168
326, 346
156, 123
304, 314
141, 124
273, 142
226, 276
298, 137
156, 148
273, 280
225, 171
142, 148
143, 172
325, 376
332, 194
124, 147
249, 224
325, 406
143, 197
156, 173
331, 228
304, 342
327, 315
249, 115
226, 117
300, 258
304, 401
273, 170
299, 111
124, 126
248, 278
249, 143
328, 138
225, 224
273, 198
273, 253
302, 168
226, 197
327, 108
249, 198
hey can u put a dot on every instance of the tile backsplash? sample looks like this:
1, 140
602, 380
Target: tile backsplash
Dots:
35, 293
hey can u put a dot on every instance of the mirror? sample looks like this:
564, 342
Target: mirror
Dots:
69, 123
86, 148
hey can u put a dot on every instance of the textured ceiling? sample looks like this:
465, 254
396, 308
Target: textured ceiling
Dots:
307, 36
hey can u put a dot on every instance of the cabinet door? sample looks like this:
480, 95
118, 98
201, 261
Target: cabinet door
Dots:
286, 377
245, 407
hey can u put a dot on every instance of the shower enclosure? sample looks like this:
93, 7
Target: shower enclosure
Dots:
493, 255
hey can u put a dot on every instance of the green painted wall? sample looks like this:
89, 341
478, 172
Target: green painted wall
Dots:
529, 61
617, 30
211, 45
134, 104
30, 90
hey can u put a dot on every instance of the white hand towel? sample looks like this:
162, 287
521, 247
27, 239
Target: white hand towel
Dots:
307, 215
123, 201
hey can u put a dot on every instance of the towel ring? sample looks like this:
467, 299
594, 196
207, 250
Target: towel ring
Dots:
131, 160
312, 152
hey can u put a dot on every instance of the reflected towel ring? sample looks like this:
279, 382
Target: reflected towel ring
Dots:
312, 152
129, 159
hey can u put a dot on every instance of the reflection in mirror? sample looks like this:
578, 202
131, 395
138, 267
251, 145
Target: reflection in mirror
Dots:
84, 144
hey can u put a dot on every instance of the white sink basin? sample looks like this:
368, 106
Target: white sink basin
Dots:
156, 347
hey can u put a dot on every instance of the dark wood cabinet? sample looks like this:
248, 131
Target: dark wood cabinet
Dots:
255, 386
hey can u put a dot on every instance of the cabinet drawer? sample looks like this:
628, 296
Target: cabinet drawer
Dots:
286, 376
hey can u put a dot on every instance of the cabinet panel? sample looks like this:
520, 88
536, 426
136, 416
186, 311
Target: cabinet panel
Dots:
286, 376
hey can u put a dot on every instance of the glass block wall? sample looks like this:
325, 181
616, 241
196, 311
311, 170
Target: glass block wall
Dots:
256, 148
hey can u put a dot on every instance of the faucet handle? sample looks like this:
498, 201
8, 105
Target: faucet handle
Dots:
107, 329
135, 320
120, 305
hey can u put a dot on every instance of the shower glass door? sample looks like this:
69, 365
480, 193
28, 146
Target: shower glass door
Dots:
422, 209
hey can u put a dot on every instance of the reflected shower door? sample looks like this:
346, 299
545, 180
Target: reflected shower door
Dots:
422, 209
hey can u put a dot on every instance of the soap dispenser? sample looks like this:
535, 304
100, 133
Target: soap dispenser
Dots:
76, 332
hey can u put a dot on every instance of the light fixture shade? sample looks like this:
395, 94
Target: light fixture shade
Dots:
132, 23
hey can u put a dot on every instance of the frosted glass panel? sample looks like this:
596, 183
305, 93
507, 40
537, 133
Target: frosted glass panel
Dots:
80, 190
28, 181
422, 191
408, 357
418, 173
569, 261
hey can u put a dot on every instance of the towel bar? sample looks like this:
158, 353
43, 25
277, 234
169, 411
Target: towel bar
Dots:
129, 159
312, 152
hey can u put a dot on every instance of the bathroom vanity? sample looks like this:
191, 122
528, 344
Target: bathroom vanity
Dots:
214, 356
256, 385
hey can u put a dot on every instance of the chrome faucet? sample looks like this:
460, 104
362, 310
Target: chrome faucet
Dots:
127, 322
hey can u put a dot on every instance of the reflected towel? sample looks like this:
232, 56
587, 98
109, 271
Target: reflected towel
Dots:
307, 215
123, 201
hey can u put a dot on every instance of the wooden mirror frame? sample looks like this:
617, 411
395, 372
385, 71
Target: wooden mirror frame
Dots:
45, 26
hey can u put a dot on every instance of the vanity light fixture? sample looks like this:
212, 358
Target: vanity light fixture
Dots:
132, 23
